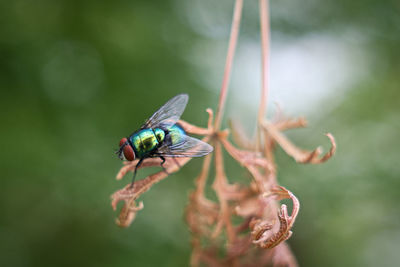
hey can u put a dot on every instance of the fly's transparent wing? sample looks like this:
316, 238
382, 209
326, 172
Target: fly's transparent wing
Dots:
189, 147
169, 113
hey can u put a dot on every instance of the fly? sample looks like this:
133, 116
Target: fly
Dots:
160, 137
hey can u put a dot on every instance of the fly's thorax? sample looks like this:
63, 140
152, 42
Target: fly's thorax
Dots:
144, 142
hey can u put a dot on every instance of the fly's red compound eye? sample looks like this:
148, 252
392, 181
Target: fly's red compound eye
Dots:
128, 153
123, 141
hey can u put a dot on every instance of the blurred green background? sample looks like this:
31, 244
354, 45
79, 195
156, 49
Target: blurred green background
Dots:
76, 76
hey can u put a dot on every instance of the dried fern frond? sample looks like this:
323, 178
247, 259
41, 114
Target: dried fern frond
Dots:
246, 225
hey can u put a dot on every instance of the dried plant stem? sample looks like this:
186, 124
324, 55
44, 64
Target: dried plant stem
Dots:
220, 185
202, 179
237, 14
264, 21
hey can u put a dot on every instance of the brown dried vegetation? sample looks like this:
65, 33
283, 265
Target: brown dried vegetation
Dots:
261, 223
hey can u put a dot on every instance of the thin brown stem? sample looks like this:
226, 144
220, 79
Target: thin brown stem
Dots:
237, 14
264, 21
202, 179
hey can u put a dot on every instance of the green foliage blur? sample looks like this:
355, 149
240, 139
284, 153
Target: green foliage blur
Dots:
76, 76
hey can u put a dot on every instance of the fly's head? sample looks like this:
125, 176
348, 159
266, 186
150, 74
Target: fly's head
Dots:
125, 150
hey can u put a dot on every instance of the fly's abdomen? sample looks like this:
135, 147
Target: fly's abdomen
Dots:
144, 142
176, 134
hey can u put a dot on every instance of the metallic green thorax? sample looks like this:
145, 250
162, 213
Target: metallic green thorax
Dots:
147, 140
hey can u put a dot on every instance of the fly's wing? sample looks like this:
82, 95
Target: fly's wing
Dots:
169, 113
188, 147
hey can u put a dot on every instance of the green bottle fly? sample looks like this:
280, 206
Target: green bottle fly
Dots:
162, 137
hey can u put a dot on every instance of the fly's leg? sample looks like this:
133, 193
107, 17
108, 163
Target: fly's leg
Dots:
162, 164
134, 173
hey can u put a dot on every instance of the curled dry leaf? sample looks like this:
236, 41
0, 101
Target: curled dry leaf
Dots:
129, 195
261, 230
256, 203
298, 154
